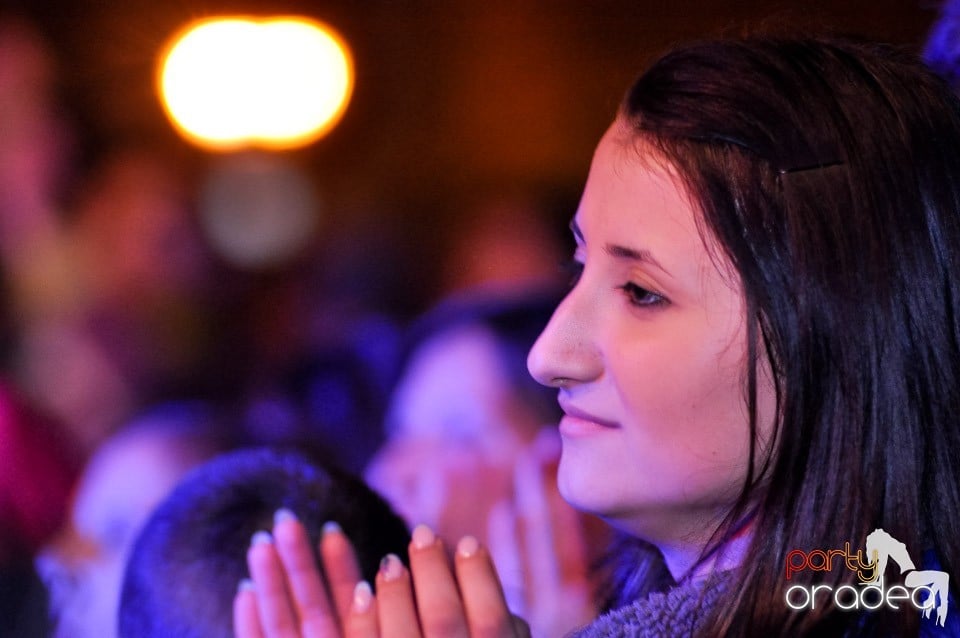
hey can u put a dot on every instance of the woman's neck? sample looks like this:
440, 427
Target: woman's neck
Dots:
683, 559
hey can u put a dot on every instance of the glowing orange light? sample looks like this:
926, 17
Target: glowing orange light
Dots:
275, 83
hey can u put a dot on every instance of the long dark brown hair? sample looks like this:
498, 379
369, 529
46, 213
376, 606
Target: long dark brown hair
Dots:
829, 174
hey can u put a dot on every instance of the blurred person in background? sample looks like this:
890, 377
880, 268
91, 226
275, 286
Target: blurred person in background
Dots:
108, 278
36, 475
40, 280
36, 164
471, 449
90, 262
139, 331
185, 565
127, 476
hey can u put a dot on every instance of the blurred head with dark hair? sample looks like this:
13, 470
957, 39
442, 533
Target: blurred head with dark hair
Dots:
188, 560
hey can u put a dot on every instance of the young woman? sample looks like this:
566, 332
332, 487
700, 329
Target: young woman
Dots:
759, 365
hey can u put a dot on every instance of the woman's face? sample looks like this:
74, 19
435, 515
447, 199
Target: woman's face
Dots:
648, 351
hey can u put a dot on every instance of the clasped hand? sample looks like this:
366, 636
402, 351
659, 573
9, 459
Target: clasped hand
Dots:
287, 597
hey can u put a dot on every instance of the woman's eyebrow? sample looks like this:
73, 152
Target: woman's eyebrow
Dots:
622, 252
634, 254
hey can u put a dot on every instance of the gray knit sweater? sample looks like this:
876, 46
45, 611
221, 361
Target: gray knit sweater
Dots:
678, 612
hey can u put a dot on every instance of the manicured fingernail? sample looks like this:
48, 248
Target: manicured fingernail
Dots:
391, 568
283, 514
246, 584
261, 538
362, 597
423, 536
331, 527
468, 546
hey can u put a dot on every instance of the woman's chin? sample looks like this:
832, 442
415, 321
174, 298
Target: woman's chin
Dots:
584, 489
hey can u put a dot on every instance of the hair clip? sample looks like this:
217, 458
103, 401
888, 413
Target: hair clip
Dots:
810, 167
800, 156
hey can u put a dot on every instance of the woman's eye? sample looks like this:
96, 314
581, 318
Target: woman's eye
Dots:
573, 270
641, 297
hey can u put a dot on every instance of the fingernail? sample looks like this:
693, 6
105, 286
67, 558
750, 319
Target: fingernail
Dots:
391, 568
261, 538
331, 527
362, 597
468, 546
422, 536
246, 584
283, 514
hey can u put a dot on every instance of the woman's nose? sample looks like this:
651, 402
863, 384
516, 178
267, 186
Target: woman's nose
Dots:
564, 353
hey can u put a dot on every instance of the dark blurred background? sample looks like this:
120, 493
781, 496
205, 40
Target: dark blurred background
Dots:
452, 97
455, 102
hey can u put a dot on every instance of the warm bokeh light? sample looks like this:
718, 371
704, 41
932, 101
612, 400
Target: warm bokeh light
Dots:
274, 83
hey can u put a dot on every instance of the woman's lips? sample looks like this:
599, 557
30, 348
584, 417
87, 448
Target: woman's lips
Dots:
576, 420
